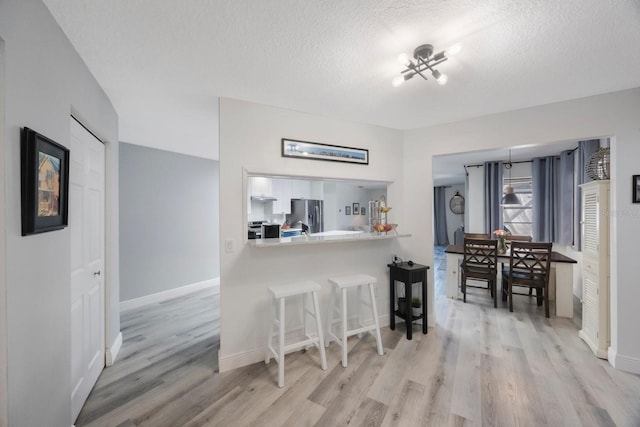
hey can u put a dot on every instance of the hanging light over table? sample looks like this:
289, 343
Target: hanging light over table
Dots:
510, 197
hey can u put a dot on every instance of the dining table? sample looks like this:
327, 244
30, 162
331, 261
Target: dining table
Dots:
560, 277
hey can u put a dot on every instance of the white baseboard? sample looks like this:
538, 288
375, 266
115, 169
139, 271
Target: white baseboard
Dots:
238, 360
623, 363
171, 293
113, 350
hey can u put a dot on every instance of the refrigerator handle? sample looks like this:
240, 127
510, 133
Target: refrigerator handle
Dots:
318, 215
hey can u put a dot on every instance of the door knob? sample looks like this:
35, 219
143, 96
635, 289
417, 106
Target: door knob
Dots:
96, 273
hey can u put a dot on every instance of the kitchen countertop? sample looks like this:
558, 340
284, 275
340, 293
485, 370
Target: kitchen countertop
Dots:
308, 240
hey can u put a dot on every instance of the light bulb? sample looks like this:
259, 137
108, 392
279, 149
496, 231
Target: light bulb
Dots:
442, 80
397, 81
455, 49
403, 58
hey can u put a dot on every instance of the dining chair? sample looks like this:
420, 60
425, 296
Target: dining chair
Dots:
529, 265
480, 262
484, 236
515, 238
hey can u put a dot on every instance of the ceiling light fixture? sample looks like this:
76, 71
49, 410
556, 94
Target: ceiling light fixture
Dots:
424, 60
510, 197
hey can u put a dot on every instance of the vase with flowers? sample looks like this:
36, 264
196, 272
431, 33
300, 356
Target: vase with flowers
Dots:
502, 243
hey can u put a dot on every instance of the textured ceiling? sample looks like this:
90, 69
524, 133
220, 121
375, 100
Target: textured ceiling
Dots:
164, 63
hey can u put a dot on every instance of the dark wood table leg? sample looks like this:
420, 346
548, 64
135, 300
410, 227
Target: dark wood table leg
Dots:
425, 308
392, 302
408, 315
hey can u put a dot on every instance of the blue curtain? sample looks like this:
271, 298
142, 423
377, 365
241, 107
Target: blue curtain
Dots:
585, 150
441, 237
564, 230
492, 196
544, 178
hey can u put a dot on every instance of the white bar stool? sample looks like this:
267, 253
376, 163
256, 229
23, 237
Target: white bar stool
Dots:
280, 293
344, 283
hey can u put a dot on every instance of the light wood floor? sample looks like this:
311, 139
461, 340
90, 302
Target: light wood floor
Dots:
478, 366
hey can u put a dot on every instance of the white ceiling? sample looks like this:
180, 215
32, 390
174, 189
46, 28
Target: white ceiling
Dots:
164, 63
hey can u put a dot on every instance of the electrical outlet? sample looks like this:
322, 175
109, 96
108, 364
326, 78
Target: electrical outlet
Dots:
228, 245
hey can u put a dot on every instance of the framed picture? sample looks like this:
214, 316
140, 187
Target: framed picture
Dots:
363, 210
317, 151
44, 176
636, 188
356, 208
347, 210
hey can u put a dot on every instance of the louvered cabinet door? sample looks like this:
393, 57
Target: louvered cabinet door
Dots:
595, 267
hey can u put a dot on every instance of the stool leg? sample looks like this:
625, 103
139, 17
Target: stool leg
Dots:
316, 311
375, 318
329, 319
281, 348
267, 353
344, 328
304, 315
359, 310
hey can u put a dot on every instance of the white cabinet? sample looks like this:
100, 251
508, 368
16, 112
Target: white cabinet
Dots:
260, 186
282, 189
595, 267
300, 189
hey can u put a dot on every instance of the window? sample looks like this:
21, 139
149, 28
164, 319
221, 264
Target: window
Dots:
518, 219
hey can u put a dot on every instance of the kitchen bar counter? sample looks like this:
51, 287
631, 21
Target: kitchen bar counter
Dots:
312, 240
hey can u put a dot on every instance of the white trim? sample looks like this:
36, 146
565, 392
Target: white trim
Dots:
112, 351
623, 363
170, 294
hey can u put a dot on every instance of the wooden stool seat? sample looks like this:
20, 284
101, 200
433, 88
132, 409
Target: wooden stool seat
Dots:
340, 285
279, 294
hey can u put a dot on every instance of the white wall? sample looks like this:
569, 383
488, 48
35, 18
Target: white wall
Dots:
169, 236
45, 81
3, 288
454, 221
247, 127
474, 207
597, 116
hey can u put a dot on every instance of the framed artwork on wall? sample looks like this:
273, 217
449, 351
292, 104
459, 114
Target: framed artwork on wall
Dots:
635, 189
44, 179
356, 208
363, 210
347, 210
316, 151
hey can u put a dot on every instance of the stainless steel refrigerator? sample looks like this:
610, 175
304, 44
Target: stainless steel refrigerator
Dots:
308, 212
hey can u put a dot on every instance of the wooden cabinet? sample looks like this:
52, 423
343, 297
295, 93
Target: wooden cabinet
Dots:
595, 267
282, 189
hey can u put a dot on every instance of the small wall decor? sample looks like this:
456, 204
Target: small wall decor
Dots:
356, 208
363, 210
317, 151
347, 210
44, 176
636, 189
597, 166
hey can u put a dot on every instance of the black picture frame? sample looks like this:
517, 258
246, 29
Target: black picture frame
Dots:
635, 186
356, 208
363, 210
327, 152
347, 210
44, 180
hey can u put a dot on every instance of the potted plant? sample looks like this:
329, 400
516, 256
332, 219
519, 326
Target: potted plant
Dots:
415, 306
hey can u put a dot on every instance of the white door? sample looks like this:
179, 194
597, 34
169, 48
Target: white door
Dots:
86, 223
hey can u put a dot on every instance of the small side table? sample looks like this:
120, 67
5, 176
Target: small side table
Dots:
408, 274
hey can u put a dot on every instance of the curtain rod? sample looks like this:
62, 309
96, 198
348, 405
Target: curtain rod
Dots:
521, 161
